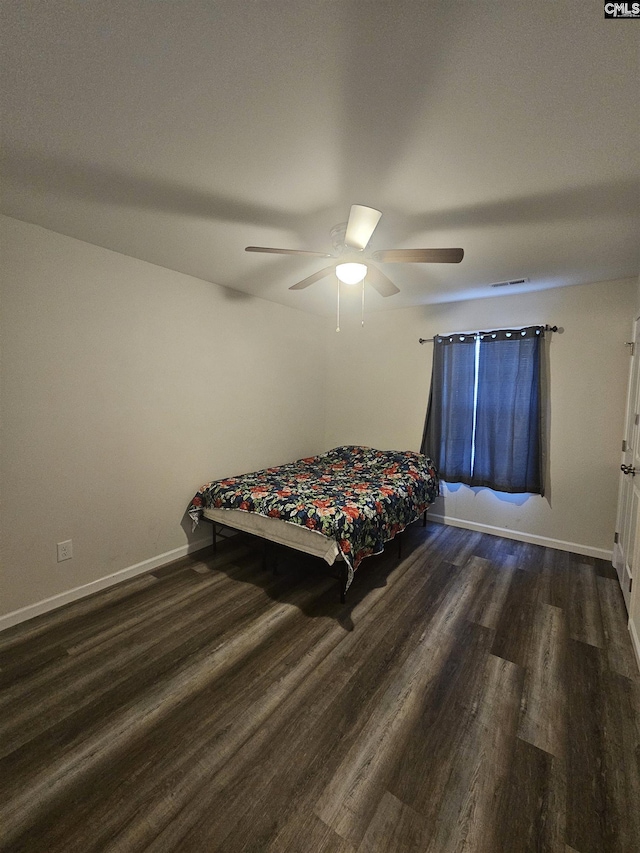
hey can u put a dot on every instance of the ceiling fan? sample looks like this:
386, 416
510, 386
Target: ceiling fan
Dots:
351, 266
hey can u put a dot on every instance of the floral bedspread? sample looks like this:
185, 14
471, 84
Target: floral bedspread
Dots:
356, 495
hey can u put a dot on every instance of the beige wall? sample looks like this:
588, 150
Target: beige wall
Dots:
124, 387
383, 376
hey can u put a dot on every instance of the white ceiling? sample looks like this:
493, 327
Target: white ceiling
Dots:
180, 132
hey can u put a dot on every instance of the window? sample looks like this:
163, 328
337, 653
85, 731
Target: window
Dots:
483, 424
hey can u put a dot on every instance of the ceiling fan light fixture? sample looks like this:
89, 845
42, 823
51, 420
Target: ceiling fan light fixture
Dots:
351, 273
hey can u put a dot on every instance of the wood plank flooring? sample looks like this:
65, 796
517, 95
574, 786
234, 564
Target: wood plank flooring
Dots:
478, 695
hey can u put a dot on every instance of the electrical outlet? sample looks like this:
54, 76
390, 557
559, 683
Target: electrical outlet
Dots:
65, 550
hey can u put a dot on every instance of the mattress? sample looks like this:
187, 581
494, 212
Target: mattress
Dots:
283, 532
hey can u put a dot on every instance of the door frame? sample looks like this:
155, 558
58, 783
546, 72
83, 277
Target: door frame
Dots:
625, 532
626, 549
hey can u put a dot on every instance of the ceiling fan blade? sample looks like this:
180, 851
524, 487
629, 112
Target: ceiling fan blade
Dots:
361, 225
419, 256
312, 278
379, 281
288, 252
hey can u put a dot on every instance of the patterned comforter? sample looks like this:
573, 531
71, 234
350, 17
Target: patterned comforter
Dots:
357, 496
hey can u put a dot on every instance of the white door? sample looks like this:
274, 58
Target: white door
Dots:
629, 491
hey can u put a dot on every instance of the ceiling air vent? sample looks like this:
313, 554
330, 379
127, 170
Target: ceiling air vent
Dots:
509, 283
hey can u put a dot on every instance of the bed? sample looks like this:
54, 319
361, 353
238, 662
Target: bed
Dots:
342, 505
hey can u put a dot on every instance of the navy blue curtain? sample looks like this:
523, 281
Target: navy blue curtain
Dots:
483, 424
449, 424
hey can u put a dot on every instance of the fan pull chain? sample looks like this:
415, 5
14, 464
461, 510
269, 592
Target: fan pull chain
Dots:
363, 280
338, 307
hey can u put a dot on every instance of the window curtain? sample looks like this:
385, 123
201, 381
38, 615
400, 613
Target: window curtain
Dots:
483, 424
449, 424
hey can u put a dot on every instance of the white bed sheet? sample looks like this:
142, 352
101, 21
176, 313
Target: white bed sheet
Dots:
277, 530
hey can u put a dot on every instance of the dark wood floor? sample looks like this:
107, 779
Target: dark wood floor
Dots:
479, 695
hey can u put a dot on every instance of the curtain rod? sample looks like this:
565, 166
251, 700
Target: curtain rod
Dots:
547, 328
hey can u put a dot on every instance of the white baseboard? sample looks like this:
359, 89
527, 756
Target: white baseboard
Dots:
40, 607
547, 542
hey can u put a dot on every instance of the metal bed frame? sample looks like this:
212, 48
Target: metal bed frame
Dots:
270, 552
